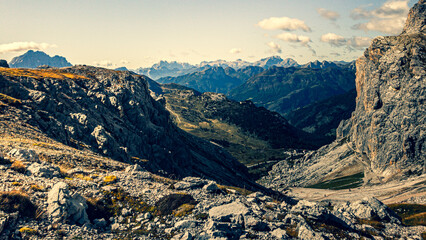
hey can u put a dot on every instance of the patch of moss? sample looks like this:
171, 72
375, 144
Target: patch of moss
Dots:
167, 204
19, 166
27, 230
183, 210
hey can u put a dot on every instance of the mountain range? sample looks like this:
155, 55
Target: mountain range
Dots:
34, 59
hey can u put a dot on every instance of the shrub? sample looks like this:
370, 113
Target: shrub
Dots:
183, 210
167, 204
13, 201
19, 166
37, 188
27, 230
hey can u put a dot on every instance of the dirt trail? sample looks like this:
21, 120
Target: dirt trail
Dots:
412, 190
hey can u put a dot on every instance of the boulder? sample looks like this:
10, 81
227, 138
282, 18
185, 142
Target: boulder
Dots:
64, 206
25, 155
190, 183
227, 211
279, 234
211, 188
44, 169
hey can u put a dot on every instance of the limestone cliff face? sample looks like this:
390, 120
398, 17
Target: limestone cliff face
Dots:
388, 125
385, 136
112, 113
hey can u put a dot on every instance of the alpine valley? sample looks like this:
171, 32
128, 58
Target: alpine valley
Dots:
270, 149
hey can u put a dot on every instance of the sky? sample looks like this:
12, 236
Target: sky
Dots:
139, 33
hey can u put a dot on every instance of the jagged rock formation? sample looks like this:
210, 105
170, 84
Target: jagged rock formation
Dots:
285, 89
3, 63
34, 59
385, 137
112, 113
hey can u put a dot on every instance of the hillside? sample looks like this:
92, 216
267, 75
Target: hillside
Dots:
111, 113
34, 59
285, 89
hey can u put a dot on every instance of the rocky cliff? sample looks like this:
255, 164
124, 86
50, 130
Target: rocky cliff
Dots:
385, 136
112, 113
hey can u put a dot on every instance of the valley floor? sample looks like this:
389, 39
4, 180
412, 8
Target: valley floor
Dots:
411, 190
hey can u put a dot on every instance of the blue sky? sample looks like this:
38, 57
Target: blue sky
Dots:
139, 33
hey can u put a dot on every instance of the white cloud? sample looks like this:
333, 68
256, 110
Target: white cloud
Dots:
388, 18
104, 63
23, 46
339, 41
328, 14
333, 39
275, 48
359, 42
283, 23
290, 37
235, 51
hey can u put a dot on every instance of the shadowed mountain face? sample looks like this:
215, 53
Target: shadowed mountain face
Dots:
286, 89
323, 118
34, 59
112, 113
214, 79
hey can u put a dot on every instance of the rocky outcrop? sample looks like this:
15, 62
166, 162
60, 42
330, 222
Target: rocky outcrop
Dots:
112, 113
64, 206
3, 63
384, 138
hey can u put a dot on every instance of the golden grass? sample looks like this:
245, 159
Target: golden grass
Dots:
39, 73
110, 179
18, 166
183, 210
9, 100
12, 201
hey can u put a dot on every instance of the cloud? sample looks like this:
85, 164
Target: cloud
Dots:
330, 15
359, 42
291, 37
283, 23
388, 18
235, 51
333, 39
23, 46
275, 48
103, 63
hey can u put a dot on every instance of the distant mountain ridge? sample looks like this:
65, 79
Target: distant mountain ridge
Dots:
34, 59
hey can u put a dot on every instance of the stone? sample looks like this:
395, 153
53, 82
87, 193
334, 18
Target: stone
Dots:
186, 224
228, 210
43, 169
190, 183
64, 206
255, 224
211, 188
279, 234
100, 223
133, 168
25, 155
306, 232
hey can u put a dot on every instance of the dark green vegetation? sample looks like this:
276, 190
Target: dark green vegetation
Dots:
411, 214
322, 118
251, 134
214, 79
285, 89
167, 204
347, 182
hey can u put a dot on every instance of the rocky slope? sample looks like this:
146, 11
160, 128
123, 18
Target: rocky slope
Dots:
285, 89
112, 113
251, 134
34, 59
122, 201
384, 138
